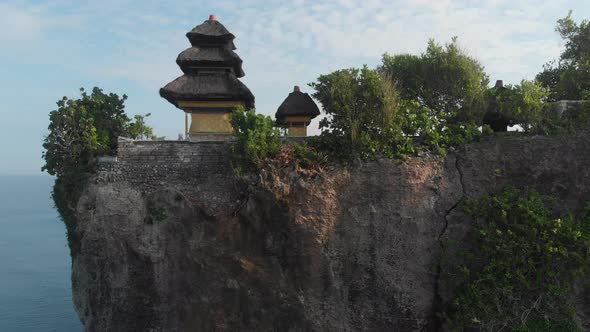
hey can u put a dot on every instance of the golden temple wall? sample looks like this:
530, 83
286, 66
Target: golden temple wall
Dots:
297, 131
297, 125
209, 116
210, 123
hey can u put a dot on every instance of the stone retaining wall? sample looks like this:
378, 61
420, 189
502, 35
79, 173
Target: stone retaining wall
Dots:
197, 168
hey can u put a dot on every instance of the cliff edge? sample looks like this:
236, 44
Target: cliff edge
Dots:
171, 240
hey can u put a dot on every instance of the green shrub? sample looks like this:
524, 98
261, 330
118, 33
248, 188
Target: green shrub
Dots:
520, 273
539, 325
431, 130
66, 192
571, 121
360, 105
307, 156
331, 144
155, 214
568, 78
523, 104
139, 129
429, 102
444, 79
80, 130
257, 138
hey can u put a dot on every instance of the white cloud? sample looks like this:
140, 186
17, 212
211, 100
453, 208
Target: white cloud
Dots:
18, 24
111, 43
23, 25
287, 43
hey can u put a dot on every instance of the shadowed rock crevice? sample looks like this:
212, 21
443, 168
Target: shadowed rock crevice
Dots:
438, 302
459, 201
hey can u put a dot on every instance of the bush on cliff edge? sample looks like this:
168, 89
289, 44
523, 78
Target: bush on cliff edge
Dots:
79, 131
526, 258
257, 138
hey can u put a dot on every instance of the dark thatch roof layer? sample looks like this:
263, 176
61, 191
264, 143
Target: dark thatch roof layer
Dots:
209, 57
207, 87
297, 104
210, 32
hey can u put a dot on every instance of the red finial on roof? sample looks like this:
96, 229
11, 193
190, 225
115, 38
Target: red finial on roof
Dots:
212, 17
296, 89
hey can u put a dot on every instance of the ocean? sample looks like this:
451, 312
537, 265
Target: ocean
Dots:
35, 263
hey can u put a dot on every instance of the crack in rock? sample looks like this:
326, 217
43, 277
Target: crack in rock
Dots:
437, 301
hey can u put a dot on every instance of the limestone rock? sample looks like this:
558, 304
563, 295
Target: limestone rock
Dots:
356, 249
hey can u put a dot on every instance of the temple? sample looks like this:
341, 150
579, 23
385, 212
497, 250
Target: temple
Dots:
296, 112
493, 118
209, 89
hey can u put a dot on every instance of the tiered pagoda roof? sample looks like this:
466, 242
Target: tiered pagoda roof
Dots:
211, 68
211, 32
195, 57
297, 103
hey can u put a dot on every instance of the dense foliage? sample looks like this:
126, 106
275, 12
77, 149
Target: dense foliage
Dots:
257, 138
443, 79
361, 106
356, 102
525, 260
568, 78
444, 91
139, 129
429, 102
436, 101
523, 103
572, 120
81, 129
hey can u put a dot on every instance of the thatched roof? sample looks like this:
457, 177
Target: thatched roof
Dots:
297, 104
209, 57
218, 86
206, 66
210, 32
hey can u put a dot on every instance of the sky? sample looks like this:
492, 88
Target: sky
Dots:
50, 49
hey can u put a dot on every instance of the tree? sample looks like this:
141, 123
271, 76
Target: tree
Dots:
72, 139
107, 112
139, 130
257, 138
360, 105
568, 78
523, 103
526, 256
443, 93
81, 129
444, 79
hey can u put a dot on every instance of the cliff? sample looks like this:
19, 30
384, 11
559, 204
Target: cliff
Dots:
170, 240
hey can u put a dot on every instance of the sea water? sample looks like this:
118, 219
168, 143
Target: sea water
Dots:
35, 263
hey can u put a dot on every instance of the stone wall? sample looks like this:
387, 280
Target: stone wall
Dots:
202, 167
564, 106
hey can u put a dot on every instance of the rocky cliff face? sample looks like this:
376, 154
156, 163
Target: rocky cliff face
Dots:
177, 246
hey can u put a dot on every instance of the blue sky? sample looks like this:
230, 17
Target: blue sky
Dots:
52, 48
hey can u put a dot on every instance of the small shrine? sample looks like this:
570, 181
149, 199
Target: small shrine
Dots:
296, 112
493, 117
209, 89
